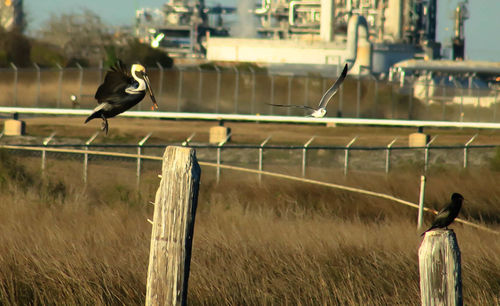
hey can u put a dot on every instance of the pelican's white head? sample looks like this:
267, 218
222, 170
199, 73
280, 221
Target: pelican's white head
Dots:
139, 74
137, 68
319, 113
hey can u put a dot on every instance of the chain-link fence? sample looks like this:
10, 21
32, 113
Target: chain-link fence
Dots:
247, 90
311, 161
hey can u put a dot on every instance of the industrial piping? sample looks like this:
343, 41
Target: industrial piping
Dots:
357, 38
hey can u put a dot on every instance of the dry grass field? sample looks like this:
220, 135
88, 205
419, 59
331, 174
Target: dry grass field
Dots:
272, 243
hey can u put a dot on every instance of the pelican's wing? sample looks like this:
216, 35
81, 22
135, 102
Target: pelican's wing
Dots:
292, 105
330, 92
115, 82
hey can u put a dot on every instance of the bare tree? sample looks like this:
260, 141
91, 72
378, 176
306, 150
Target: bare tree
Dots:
80, 35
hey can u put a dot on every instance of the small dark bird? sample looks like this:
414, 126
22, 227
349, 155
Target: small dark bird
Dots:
446, 215
121, 91
320, 112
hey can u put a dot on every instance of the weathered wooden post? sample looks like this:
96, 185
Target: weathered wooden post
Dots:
440, 269
420, 219
173, 225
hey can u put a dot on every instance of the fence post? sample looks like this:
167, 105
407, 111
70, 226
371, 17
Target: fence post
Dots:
420, 219
173, 228
272, 94
375, 99
38, 80
160, 84
443, 101
261, 156
186, 142
440, 269
393, 101
426, 98
80, 68
236, 88
289, 99
478, 105
59, 85
252, 98
200, 84
426, 153
217, 90
45, 143
86, 157
340, 109
358, 96
306, 90
410, 103
388, 155
179, 89
346, 158
139, 152
304, 152
466, 150
14, 88
341, 101
219, 149
462, 105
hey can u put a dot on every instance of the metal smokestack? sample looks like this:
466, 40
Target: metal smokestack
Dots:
327, 20
458, 42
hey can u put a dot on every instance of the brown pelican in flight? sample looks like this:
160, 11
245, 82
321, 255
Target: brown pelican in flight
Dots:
121, 91
320, 112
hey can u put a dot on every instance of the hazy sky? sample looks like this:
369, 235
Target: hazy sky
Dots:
482, 39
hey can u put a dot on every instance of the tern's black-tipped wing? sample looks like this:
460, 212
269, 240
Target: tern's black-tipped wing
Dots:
292, 105
115, 82
333, 90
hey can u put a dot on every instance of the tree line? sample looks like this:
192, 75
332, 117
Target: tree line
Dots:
71, 38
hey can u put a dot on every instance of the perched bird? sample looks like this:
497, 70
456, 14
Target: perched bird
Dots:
446, 215
320, 112
120, 91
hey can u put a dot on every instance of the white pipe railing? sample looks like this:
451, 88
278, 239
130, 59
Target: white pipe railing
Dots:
259, 118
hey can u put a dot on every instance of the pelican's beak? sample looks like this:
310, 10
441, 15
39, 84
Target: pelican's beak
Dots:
151, 94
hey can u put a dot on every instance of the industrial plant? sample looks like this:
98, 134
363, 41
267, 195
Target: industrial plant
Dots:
371, 35
389, 39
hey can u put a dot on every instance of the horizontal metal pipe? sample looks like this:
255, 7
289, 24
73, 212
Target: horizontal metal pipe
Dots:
260, 118
257, 146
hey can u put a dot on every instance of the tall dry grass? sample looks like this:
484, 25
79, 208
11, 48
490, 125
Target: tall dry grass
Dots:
275, 243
